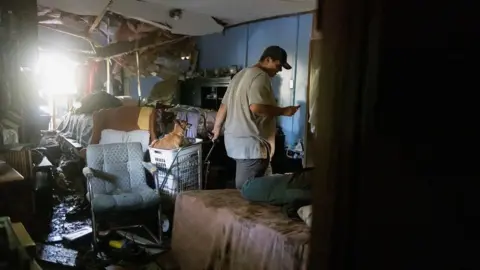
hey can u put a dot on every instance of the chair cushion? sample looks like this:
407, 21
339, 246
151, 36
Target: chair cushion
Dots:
117, 136
125, 200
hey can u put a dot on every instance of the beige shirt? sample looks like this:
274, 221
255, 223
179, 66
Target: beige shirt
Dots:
249, 136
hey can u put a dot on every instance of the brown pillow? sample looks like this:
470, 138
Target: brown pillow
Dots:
125, 118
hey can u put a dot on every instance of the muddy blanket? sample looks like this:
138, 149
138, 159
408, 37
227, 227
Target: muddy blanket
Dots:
77, 127
218, 229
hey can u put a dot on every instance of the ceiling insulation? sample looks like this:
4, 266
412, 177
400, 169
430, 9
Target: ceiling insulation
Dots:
85, 27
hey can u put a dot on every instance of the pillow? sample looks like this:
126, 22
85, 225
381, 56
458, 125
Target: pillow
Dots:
116, 136
305, 213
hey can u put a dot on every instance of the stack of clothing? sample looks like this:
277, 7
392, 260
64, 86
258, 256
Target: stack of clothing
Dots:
201, 121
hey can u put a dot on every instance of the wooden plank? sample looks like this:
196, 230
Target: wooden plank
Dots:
99, 17
9, 174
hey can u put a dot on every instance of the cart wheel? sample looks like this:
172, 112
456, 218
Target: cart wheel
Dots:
165, 223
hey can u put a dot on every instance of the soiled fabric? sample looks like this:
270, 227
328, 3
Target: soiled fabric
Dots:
278, 189
125, 118
78, 127
97, 101
218, 229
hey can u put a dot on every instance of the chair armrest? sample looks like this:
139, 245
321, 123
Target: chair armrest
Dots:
152, 169
88, 172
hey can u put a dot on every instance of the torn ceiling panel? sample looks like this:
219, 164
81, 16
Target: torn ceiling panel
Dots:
126, 25
196, 16
188, 23
83, 7
240, 11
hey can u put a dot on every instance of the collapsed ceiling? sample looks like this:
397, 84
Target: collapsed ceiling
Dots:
113, 28
197, 14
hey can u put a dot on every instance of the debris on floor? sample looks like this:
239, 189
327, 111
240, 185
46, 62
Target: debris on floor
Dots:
57, 255
65, 240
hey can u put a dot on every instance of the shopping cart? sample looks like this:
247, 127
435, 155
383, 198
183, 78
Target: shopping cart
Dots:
179, 170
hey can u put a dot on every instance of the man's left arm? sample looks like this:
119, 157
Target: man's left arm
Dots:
221, 115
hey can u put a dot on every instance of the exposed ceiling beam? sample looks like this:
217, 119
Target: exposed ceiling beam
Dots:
99, 17
125, 47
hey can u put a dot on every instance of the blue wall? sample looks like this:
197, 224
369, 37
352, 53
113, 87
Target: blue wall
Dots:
243, 45
146, 85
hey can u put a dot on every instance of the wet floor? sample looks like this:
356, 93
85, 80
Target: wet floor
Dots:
67, 192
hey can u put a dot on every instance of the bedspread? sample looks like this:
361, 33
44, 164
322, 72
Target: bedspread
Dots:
218, 229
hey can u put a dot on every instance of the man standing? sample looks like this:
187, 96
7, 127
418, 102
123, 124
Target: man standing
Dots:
249, 111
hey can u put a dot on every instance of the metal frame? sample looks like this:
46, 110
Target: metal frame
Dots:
89, 174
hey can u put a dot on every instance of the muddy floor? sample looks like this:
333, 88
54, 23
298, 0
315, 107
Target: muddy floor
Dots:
63, 193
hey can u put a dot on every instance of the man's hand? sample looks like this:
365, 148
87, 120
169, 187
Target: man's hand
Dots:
290, 110
215, 133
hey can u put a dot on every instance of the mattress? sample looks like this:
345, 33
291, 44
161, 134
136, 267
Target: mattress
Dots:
218, 229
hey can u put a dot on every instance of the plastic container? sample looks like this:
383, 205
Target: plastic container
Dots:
178, 170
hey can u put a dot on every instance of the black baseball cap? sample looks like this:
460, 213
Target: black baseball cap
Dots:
277, 53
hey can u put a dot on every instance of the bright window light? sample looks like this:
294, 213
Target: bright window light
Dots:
56, 74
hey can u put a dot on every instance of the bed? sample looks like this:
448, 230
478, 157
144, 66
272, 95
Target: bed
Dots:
218, 229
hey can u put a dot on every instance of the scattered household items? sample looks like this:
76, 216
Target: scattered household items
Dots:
97, 101
78, 234
297, 152
205, 93
201, 120
76, 130
116, 182
259, 236
221, 72
54, 255
233, 69
130, 248
175, 139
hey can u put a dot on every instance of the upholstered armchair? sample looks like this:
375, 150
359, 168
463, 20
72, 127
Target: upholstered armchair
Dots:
116, 181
